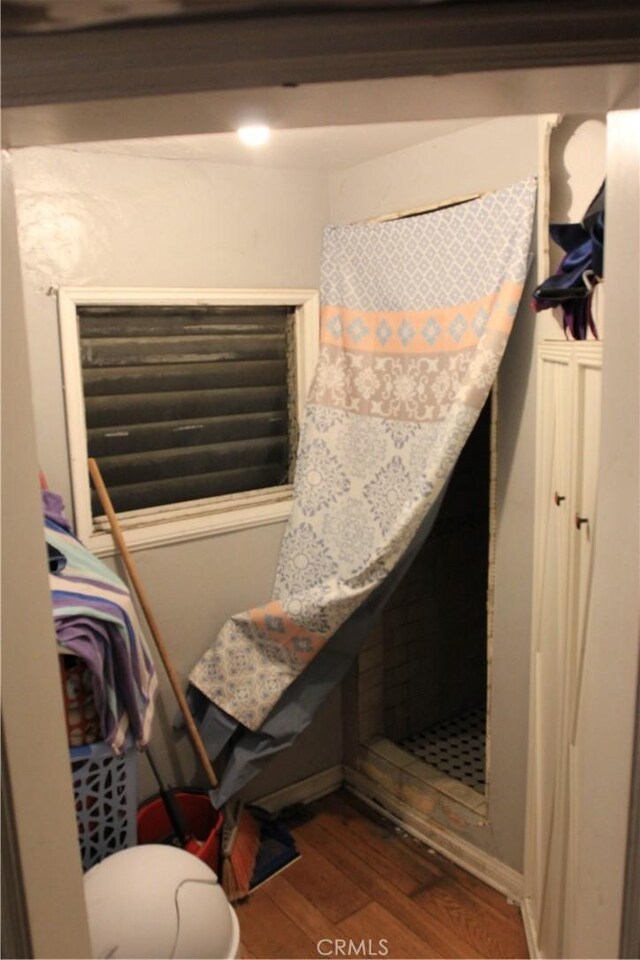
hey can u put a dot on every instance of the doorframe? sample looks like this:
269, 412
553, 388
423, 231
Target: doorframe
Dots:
630, 936
597, 88
240, 49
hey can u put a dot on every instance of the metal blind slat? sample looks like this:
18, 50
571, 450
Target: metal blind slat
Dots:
99, 329
166, 321
213, 458
125, 351
134, 438
179, 489
184, 404
102, 381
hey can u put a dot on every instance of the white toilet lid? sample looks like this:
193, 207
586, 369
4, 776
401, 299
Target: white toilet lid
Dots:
157, 901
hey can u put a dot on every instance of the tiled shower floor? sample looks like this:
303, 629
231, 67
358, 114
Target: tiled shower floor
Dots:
455, 747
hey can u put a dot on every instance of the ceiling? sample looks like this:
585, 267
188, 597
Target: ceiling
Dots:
312, 148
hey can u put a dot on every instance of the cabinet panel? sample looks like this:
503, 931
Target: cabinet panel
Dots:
584, 487
566, 464
552, 517
584, 482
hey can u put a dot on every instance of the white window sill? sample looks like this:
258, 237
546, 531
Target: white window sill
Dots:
196, 520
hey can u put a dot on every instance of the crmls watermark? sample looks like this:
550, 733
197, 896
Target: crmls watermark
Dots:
352, 948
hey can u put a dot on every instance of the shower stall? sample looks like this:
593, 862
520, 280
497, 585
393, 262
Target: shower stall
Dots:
434, 632
419, 702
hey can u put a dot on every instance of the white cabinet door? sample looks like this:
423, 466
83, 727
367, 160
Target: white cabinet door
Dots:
549, 657
566, 465
586, 448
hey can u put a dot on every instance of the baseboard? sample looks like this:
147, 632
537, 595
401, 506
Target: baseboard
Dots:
482, 865
530, 932
304, 791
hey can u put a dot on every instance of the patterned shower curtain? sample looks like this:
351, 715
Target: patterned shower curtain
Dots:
416, 314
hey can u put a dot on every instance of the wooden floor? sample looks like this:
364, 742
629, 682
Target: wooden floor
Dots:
360, 880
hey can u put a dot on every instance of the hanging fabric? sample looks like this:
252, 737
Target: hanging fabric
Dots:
416, 314
571, 286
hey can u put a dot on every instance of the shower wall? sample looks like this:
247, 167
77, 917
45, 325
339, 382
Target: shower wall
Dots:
434, 629
426, 660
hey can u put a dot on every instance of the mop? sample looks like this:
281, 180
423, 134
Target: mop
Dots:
242, 842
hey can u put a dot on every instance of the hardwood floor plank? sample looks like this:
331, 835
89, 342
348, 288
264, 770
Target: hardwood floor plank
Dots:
493, 898
381, 931
327, 887
268, 932
408, 873
303, 913
387, 849
361, 880
439, 938
344, 802
493, 935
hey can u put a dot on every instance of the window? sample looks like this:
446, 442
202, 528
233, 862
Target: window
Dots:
190, 401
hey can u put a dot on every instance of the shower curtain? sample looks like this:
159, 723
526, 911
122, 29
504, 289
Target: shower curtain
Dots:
415, 318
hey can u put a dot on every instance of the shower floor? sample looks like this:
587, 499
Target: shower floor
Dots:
455, 747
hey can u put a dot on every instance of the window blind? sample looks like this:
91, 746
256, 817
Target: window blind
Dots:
187, 403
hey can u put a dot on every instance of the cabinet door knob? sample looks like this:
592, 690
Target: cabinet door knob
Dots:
558, 499
580, 520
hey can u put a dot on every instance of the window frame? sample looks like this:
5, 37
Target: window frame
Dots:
193, 519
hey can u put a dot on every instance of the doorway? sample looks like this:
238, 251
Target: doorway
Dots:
434, 629
424, 676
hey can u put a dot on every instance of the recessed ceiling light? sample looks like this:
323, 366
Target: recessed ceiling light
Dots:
255, 135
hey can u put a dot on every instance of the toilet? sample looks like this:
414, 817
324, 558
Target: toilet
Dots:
158, 901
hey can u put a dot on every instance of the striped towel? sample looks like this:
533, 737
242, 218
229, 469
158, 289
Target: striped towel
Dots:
95, 620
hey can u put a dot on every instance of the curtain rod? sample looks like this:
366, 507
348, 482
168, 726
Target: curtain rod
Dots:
416, 211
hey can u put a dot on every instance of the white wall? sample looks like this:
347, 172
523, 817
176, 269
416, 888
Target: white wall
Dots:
484, 157
488, 155
34, 748
88, 218
577, 165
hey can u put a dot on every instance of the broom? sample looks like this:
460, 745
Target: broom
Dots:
240, 846
242, 839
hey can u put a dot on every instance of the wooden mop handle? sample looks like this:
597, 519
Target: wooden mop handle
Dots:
116, 531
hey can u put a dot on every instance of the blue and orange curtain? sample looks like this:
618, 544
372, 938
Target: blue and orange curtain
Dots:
415, 317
